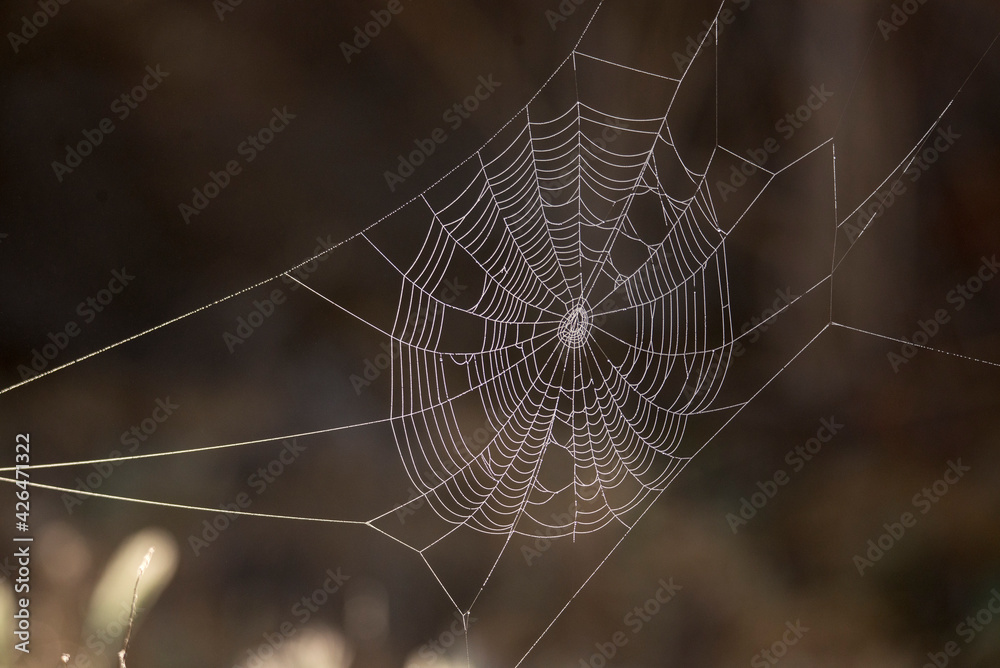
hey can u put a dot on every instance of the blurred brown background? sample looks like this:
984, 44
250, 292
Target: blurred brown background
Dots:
323, 177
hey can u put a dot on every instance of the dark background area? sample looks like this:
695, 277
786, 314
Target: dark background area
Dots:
323, 178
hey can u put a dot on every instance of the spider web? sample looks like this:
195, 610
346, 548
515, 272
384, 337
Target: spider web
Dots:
538, 363
583, 362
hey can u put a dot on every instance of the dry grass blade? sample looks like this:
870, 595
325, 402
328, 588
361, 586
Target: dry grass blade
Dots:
135, 600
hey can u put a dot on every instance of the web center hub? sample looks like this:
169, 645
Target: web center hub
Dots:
574, 328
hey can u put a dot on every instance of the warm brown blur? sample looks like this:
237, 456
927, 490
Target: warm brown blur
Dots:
835, 449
